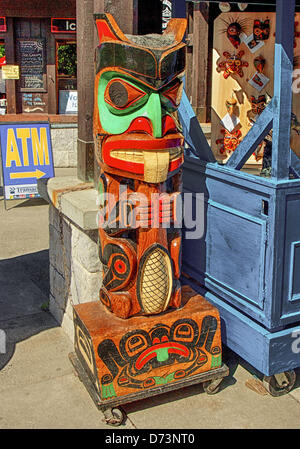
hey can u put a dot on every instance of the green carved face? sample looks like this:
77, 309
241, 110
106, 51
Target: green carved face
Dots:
121, 99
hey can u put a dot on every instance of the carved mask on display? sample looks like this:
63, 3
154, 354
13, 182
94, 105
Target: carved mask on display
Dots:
230, 106
259, 64
233, 33
258, 104
139, 149
261, 30
233, 64
229, 142
234, 29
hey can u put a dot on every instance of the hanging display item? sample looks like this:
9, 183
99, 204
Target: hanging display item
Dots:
230, 106
230, 121
233, 64
259, 63
235, 29
229, 142
259, 79
261, 29
258, 104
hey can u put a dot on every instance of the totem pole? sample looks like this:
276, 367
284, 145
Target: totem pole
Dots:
146, 331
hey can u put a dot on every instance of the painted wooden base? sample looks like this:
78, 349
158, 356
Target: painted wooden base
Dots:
126, 358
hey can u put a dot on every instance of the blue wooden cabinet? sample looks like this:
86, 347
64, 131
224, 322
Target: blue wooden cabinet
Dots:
247, 263
249, 254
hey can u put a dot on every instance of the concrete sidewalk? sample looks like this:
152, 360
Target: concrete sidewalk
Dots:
38, 386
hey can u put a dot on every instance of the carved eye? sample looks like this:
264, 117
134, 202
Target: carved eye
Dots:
174, 94
121, 95
135, 344
185, 331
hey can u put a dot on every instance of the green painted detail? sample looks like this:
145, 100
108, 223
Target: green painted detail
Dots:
216, 361
164, 380
102, 196
108, 391
152, 105
100, 187
162, 354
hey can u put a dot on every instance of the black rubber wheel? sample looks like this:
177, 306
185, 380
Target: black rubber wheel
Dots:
114, 417
272, 386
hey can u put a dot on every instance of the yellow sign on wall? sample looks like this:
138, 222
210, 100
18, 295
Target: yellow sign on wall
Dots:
10, 72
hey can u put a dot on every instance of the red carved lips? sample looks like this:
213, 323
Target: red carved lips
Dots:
137, 151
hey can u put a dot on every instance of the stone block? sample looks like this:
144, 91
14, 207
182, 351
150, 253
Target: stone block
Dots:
54, 217
55, 311
85, 249
85, 286
81, 208
58, 288
64, 145
60, 248
73, 158
61, 158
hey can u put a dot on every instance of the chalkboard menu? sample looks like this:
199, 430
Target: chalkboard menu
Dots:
31, 56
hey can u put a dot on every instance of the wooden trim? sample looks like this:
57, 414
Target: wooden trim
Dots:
262, 127
52, 118
10, 59
199, 91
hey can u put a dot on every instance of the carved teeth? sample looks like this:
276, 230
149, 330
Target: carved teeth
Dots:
156, 162
138, 155
156, 166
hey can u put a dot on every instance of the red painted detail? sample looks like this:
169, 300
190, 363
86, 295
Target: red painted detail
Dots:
148, 354
132, 143
149, 382
134, 167
179, 374
123, 380
168, 125
120, 267
104, 31
140, 124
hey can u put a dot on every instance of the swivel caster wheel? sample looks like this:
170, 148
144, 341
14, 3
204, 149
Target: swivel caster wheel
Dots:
114, 416
212, 386
280, 384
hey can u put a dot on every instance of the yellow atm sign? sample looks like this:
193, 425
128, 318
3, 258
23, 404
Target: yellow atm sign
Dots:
26, 153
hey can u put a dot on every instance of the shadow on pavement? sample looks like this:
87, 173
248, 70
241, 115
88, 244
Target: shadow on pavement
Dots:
13, 204
24, 292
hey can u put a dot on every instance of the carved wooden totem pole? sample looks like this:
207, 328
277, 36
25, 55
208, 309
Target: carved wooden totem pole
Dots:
146, 331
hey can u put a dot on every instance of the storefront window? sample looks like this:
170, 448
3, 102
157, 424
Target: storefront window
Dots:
66, 77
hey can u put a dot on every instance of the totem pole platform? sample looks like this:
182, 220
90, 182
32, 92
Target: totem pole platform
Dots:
122, 361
